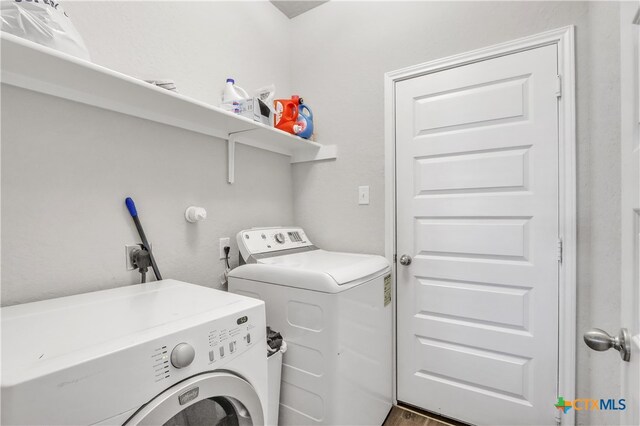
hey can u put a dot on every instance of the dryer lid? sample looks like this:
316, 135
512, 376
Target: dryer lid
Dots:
318, 270
342, 267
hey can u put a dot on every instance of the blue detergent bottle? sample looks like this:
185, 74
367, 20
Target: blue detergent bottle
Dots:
305, 121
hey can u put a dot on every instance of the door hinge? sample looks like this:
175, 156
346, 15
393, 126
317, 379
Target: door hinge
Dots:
560, 250
558, 419
559, 87
395, 258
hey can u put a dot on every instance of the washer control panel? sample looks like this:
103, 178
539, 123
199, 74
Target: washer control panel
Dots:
205, 347
225, 341
266, 240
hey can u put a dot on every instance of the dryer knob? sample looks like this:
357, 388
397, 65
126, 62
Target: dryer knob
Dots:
182, 355
279, 238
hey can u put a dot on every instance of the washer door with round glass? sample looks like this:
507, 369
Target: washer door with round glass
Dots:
207, 399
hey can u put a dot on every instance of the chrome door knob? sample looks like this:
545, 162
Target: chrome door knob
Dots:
405, 260
182, 355
600, 340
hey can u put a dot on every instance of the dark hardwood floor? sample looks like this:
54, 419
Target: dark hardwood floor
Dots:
401, 416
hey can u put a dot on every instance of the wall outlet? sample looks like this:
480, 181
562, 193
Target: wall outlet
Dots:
224, 242
363, 195
128, 249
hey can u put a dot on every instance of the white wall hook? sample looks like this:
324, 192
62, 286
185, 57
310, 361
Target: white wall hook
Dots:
195, 214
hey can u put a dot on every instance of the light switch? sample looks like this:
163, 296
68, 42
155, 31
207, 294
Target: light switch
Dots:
363, 195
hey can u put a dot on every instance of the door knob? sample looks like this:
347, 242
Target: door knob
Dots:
600, 340
405, 260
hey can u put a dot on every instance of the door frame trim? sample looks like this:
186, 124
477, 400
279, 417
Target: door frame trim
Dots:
564, 38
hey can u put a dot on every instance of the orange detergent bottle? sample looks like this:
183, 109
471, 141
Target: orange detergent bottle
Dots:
286, 115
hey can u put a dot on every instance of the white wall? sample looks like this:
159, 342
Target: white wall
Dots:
196, 43
66, 168
599, 275
339, 56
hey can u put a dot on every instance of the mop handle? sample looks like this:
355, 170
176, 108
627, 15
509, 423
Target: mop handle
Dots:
131, 206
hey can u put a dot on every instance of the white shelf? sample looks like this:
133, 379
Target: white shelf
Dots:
38, 68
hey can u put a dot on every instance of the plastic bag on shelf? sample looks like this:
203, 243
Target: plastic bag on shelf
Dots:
44, 22
267, 94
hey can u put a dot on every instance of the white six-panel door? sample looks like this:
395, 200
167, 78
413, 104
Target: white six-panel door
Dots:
477, 210
630, 173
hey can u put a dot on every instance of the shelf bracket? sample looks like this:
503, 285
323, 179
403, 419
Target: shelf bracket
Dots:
232, 139
231, 154
297, 149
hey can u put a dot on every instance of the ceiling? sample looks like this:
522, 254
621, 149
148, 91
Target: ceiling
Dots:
295, 8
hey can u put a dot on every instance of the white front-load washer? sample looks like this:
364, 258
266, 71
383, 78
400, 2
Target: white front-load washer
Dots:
334, 311
161, 353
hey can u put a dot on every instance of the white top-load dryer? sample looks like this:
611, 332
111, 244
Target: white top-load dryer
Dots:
334, 311
161, 353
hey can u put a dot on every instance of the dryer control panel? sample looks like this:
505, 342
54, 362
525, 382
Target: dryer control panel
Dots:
257, 241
